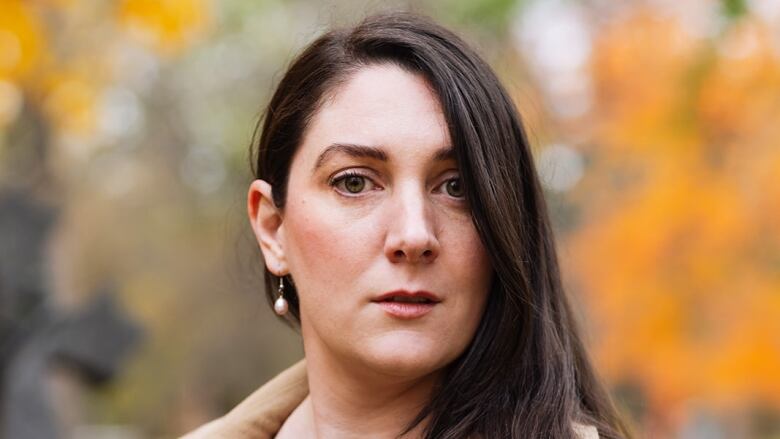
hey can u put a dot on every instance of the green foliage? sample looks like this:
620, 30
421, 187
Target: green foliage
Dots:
494, 16
733, 9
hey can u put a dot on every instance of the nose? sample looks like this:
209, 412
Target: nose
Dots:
411, 235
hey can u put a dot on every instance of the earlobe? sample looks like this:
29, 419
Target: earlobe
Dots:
266, 221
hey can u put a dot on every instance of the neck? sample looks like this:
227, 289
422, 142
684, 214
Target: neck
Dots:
349, 401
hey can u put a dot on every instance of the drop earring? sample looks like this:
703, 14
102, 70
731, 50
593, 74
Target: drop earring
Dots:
280, 306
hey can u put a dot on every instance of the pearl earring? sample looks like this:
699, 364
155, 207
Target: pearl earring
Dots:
280, 306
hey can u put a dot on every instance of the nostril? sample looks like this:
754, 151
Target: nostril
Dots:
401, 254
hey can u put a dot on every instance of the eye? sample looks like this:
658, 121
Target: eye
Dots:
454, 188
351, 183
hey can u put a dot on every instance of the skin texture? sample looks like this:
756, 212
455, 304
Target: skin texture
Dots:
407, 227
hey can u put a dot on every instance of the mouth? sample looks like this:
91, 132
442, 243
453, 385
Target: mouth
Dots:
407, 299
407, 305
404, 296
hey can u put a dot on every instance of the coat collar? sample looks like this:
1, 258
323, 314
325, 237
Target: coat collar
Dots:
261, 415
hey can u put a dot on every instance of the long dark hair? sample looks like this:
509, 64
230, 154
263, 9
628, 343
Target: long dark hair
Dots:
526, 373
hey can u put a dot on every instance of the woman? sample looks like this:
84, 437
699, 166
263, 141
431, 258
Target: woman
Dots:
403, 228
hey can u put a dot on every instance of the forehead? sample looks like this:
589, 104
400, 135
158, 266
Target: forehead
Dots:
380, 105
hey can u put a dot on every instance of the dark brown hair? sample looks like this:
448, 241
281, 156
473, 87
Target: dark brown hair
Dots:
526, 373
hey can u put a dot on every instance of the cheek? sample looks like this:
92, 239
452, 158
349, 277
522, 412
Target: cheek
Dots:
323, 248
469, 254
474, 273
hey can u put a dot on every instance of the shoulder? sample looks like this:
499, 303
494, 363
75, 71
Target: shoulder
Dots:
262, 414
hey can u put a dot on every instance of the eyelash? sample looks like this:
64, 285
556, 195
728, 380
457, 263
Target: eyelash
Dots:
342, 177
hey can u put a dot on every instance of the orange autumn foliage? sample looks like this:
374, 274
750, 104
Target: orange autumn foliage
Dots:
55, 53
678, 254
166, 25
21, 40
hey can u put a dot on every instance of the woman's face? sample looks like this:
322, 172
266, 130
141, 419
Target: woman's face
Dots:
375, 206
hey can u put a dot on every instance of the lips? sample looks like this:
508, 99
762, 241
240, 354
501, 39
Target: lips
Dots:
407, 305
408, 297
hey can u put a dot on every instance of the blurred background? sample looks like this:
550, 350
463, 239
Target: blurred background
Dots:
131, 302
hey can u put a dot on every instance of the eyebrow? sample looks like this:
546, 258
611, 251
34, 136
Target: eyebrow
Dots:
372, 152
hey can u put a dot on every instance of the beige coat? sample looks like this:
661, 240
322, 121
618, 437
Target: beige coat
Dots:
261, 415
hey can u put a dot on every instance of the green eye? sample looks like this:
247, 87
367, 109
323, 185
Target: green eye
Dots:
454, 188
354, 184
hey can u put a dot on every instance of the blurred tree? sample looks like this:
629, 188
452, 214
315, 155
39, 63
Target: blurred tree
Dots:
678, 250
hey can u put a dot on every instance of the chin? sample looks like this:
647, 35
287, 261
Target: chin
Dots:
406, 357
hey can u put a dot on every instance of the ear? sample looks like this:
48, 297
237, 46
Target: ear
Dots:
266, 221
